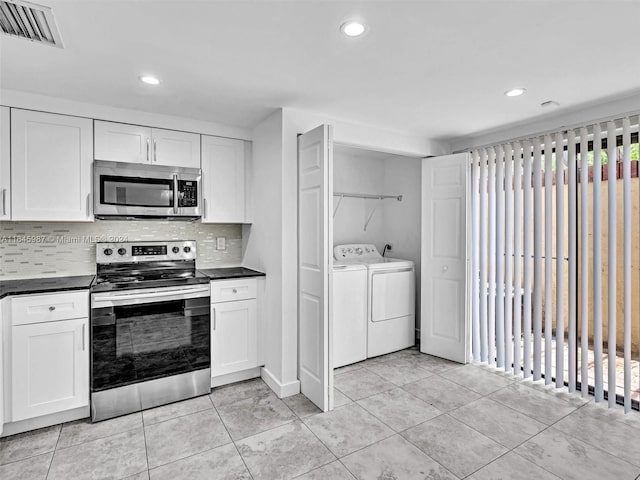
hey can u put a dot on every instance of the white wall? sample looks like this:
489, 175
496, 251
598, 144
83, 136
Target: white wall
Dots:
402, 220
559, 120
263, 246
357, 174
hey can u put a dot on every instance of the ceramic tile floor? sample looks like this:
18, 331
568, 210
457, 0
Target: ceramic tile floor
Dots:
401, 416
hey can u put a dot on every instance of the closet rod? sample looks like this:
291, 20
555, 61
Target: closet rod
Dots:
365, 195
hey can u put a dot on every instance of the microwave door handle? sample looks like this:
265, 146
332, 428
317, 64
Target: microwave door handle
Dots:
175, 194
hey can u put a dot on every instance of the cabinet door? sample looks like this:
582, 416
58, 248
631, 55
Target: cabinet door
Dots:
5, 164
234, 337
175, 149
223, 178
49, 367
51, 158
120, 142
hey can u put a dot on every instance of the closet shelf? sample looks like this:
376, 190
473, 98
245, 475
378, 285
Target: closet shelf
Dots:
366, 196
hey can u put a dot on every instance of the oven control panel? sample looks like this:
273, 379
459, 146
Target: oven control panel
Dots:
128, 252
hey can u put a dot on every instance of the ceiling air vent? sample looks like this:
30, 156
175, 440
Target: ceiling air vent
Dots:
28, 20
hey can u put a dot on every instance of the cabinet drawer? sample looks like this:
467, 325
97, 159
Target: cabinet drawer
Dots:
230, 290
49, 307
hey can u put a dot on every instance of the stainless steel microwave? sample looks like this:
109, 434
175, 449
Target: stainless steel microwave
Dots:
137, 190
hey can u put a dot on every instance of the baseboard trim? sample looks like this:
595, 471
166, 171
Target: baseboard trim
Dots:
280, 389
45, 421
235, 377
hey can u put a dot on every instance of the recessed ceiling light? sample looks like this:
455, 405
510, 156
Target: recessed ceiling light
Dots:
515, 92
149, 79
353, 28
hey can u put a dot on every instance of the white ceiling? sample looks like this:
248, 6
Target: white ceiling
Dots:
435, 68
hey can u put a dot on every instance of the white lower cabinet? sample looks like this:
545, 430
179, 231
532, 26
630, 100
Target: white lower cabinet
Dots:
49, 354
234, 329
50, 367
234, 339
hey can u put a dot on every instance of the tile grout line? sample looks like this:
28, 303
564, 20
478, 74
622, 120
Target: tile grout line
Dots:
55, 448
146, 449
215, 409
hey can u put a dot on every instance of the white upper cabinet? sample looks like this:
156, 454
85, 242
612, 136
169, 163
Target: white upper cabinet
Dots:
51, 157
223, 180
121, 142
5, 164
176, 149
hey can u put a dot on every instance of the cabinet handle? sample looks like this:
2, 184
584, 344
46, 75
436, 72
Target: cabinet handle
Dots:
204, 208
83, 337
88, 205
148, 147
214, 318
235, 290
4, 201
155, 152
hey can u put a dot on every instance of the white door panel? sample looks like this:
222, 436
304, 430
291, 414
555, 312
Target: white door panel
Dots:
314, 265
5, 165
49, 367
234, 337
175, 149
444, 328
119, 142
223, 179
51, 158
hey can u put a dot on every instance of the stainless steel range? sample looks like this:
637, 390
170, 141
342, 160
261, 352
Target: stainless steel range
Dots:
150, 327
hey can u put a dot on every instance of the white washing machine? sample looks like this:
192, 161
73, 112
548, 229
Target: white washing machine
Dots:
390, 297
349, 313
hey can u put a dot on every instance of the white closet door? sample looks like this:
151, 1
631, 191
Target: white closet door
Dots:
315, 236
444, 330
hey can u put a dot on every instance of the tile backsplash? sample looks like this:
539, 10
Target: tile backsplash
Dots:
35, 249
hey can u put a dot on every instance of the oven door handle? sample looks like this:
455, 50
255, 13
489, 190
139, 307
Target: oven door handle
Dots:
140, 296
175, 194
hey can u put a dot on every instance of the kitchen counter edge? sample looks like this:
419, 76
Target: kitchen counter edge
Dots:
227, 273
29, 286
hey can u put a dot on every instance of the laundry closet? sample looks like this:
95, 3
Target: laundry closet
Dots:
376, 213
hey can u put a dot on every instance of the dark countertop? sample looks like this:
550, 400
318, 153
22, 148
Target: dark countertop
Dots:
230, 272
44, 285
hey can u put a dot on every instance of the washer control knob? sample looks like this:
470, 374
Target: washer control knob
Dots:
175, 249
187, 249
107, 251
122, 251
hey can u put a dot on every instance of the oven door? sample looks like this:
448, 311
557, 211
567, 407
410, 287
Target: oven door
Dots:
138, 190
148, 334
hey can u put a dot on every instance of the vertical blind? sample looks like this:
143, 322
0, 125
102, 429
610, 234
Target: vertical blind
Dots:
539, 227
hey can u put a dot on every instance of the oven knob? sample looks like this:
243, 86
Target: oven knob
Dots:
107, 251
175, 249
187, 249
122, 251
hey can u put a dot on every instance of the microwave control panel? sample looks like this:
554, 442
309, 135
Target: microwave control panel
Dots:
188, 193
